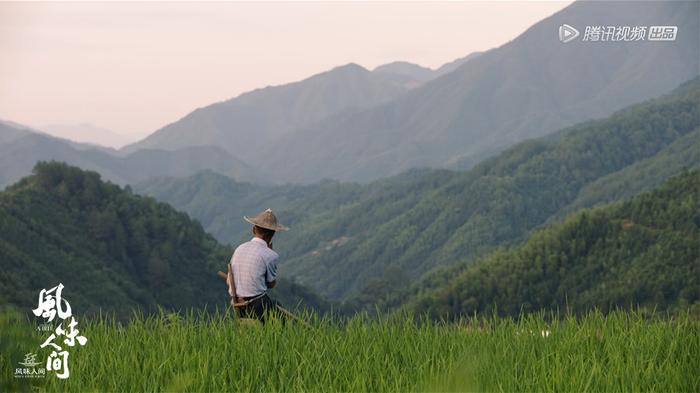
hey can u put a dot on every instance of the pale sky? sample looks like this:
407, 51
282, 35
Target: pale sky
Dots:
135, 67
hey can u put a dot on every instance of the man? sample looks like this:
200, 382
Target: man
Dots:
254, 268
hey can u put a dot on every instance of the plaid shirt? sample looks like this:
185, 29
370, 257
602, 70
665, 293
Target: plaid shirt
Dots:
253, 265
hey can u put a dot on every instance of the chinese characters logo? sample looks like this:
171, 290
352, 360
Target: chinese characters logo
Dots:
52, 305
619, 33
29, 370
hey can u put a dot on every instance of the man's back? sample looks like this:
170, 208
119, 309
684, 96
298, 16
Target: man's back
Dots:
254, 265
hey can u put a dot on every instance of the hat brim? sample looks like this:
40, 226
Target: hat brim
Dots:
277, 227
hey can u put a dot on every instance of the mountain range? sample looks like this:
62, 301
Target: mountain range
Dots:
417, 74
529, 87
349, 236
246, 124
402, 185
22, 147
350, 123
262, 116
87, 133
121, 251
434, 232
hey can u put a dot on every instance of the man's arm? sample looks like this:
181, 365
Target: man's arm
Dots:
271, 274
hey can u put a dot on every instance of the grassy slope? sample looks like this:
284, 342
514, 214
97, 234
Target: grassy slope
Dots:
617, 352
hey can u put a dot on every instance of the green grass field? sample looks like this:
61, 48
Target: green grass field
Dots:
623, 351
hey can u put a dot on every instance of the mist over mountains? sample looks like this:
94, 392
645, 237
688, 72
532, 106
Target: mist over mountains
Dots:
350, 123
246, 124
527, 88
21, 148
88, 133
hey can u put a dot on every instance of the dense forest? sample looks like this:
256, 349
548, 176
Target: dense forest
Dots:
219, 202
113, 250
641, 252
366, 244
683, 154
367, 241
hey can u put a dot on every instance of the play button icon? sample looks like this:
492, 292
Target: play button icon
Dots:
567, 33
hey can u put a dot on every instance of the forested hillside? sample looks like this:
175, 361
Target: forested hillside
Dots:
641, 252
219, 202
683, 154
372, 239
111, 249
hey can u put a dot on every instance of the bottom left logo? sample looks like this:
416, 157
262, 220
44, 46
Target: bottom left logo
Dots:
30, 369
51, 305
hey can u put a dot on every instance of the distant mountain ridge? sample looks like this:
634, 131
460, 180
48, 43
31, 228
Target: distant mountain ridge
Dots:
349, 239
353, 124
414, 71
344, 88
245, 124
529, 87
87, 133
420, 73
413, 75
21, 148
10, 130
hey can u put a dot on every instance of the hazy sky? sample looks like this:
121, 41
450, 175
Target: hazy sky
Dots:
134, 67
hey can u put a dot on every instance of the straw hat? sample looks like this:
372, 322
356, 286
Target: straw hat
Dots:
266, 220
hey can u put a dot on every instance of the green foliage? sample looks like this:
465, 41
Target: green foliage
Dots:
681, 155
641, 252
349, 241
170, 352
115, 251
219, 202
